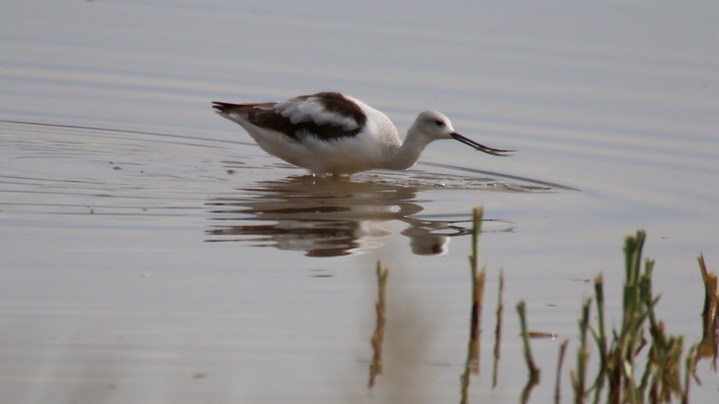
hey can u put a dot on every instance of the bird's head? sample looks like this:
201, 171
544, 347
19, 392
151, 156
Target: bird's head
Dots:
433, 125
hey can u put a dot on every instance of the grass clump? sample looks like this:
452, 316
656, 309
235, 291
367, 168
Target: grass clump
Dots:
641, 338
659, 380
471, 365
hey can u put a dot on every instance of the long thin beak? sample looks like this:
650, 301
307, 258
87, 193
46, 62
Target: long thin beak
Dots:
495, 152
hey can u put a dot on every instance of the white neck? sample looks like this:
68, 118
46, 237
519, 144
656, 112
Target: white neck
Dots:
406, 155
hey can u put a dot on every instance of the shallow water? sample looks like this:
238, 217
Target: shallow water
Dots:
152, 253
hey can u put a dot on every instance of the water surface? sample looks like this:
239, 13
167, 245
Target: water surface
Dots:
152, 253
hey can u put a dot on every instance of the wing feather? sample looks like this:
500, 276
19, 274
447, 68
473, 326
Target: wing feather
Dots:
326, 115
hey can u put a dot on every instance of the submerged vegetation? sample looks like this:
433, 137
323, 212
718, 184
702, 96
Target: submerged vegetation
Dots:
375, 367
638, 362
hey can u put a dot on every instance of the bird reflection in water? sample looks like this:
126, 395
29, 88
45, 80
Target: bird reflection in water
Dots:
326, 217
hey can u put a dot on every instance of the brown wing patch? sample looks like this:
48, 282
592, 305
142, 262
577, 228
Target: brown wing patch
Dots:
266, 116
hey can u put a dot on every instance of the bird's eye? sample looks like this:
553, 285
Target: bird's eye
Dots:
439, 123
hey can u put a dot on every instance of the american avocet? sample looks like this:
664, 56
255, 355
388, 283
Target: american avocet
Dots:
331, 133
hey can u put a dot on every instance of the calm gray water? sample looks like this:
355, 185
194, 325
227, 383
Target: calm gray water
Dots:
152, 253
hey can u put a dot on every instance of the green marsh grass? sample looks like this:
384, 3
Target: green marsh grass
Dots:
558, 376
658, 377
498, 329
708, 347
637, 363
478, 276
534, 371
471, 365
